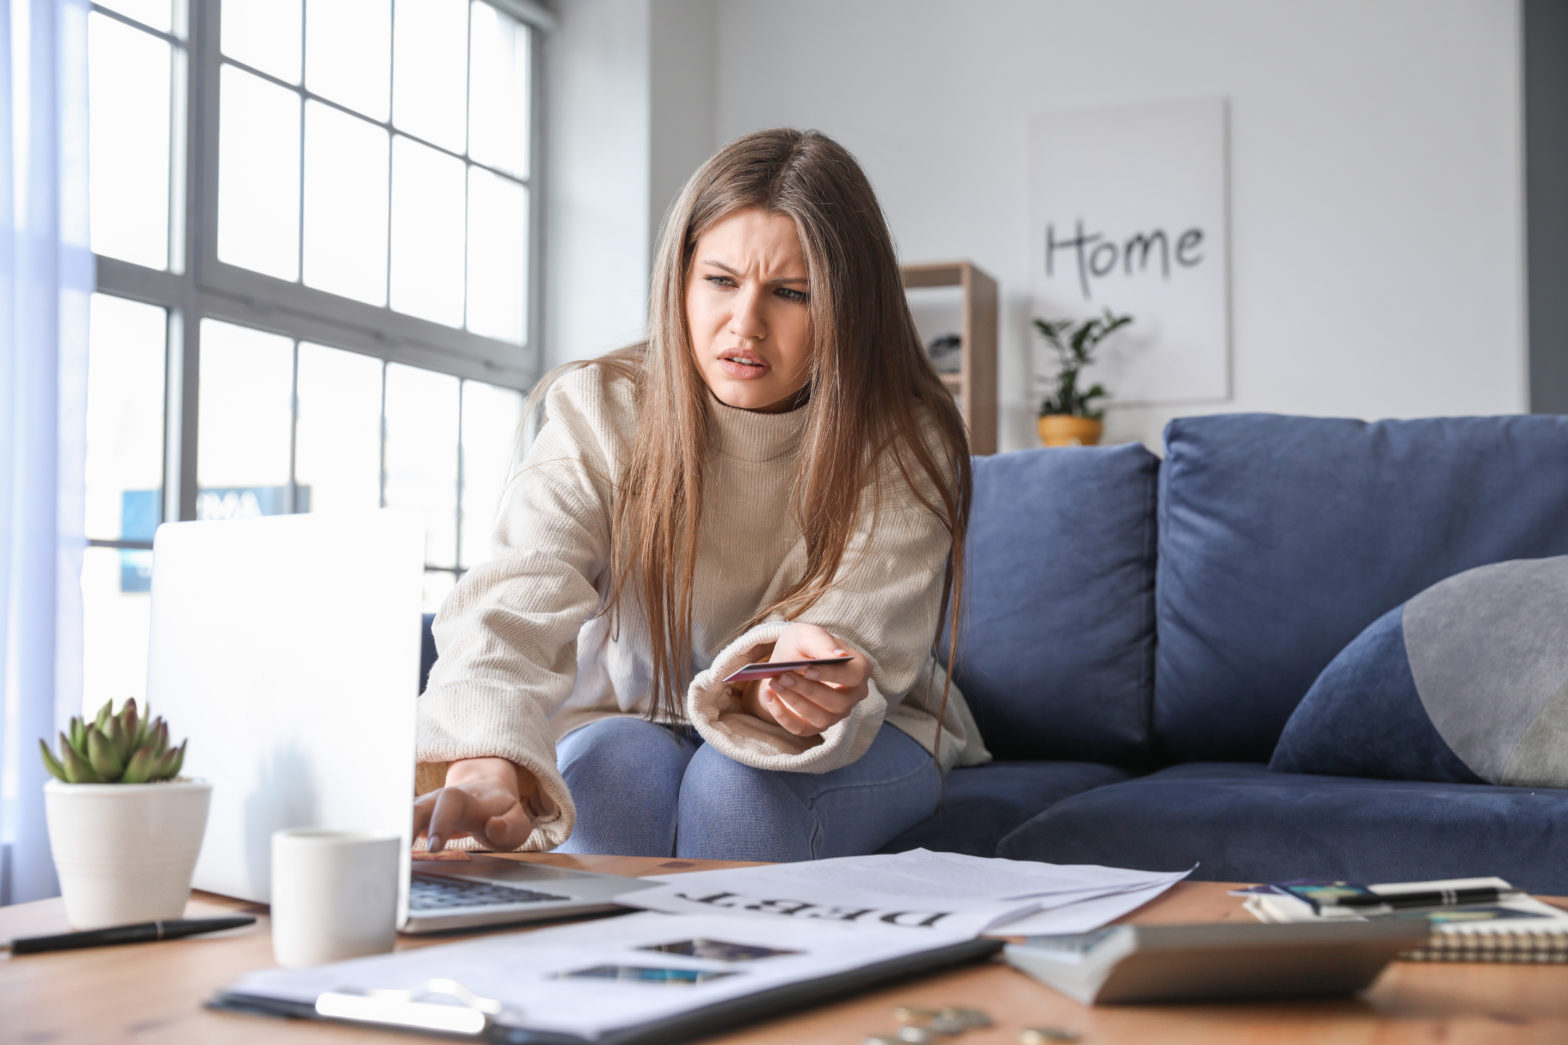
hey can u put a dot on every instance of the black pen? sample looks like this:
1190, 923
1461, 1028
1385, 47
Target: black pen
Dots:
141, 932
1425, 898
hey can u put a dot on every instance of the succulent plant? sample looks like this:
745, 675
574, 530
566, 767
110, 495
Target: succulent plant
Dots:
115, 749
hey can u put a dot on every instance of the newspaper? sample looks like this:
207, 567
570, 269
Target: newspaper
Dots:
917, 890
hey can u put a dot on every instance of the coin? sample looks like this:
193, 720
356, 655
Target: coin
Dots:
1047, 1035
965, 1016
912, 1014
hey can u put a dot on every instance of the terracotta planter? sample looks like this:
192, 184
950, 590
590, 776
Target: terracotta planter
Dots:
125, 852
1067, 430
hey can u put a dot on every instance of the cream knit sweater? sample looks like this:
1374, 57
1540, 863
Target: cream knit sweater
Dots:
525, 657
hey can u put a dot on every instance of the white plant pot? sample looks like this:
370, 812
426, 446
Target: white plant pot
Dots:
125, 852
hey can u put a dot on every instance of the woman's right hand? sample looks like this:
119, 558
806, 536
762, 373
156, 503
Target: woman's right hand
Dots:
483, 797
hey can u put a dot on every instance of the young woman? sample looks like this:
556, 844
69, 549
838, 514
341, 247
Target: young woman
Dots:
776, 474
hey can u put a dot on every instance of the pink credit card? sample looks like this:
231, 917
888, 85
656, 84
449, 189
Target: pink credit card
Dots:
766, 669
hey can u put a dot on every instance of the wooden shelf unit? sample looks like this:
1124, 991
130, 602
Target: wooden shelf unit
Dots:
975, 383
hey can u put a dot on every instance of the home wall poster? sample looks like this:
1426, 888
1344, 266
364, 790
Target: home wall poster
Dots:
1129, 211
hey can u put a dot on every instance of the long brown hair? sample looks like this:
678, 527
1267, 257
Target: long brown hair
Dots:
871, 385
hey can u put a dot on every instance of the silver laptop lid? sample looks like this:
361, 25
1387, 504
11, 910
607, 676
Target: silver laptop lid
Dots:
287, 649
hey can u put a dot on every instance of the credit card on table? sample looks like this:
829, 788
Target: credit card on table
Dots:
766, 669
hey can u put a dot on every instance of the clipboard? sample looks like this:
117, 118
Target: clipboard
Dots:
444, 1008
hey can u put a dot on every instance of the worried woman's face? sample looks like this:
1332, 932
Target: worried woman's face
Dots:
747, 311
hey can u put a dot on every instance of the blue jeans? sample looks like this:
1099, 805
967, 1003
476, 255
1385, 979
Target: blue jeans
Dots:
647, 790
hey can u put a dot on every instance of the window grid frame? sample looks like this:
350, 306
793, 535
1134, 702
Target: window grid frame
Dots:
471, 355
291, 495
195, 286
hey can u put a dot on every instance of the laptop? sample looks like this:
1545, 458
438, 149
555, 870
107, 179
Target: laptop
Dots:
287, 649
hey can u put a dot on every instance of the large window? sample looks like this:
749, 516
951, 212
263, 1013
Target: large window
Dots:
315, 227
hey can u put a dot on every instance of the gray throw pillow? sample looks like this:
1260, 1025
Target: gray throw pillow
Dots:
1467, 682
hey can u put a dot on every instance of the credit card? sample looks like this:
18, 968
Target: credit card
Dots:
766, 669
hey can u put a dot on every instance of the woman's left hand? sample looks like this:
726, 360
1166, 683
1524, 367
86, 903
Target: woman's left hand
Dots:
807, 703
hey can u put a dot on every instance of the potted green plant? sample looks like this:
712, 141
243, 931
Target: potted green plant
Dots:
124, 828
1068, 417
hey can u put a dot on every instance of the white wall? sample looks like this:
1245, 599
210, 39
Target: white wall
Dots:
596, 87
681, 50
1376, 199
628, 116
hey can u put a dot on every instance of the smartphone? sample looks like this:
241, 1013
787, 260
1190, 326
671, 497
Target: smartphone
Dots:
766, 669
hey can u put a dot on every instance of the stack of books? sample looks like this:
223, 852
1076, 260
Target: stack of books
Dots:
1468, 919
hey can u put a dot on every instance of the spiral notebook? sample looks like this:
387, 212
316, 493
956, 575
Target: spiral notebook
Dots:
1505, 926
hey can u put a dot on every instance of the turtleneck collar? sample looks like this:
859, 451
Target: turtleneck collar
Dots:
751, 435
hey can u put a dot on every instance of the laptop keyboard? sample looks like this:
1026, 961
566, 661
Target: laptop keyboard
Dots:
434, 892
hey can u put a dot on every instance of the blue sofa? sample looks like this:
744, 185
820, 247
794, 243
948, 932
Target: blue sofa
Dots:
1138, 631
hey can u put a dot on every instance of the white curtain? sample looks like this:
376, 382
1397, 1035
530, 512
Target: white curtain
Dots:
46, 277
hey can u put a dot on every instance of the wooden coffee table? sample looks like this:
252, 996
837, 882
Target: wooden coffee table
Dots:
153, 992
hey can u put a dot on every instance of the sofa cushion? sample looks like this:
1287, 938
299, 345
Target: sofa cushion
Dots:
980, 804
1466, 682
1056, 651
1281, 538
1245, 823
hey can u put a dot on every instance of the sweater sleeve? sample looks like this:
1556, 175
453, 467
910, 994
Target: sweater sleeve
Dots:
883, 601
507, 633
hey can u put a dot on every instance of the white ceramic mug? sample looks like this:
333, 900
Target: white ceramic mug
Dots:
334, 894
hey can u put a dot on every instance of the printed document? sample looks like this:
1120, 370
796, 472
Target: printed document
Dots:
591, 978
